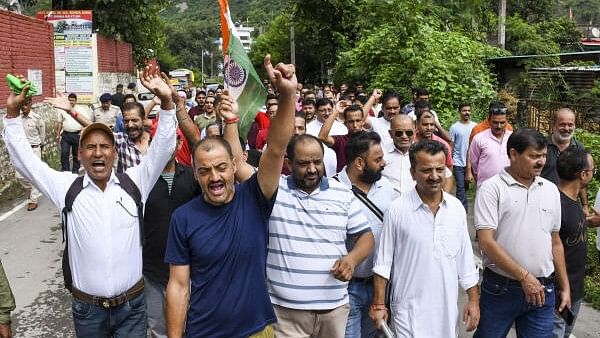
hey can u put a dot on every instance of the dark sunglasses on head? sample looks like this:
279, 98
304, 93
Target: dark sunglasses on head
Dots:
400, 133
499, 111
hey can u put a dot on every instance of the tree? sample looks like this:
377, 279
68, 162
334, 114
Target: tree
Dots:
452, 66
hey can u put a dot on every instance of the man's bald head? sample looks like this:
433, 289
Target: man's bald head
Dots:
563, 113
401, 121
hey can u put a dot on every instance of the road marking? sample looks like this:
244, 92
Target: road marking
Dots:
15, 209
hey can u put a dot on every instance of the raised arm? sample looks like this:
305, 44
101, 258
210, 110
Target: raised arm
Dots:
228, 110
62, 102
283, 77
326, 128
163, 143
51, 183
371, 102
443, 133
186, 124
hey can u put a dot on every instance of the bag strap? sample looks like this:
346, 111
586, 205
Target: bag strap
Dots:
72, 193
364, 199
132, 190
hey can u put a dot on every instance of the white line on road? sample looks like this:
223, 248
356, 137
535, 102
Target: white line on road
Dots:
12, 211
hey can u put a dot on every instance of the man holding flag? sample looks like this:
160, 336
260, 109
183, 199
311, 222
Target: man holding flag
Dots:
241, 80
217, 243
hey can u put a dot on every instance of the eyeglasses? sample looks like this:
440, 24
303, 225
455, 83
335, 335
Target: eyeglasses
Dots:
594, 170
400, 133
498, 111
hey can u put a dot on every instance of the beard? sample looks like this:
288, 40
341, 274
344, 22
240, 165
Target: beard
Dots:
563, 137
306, 182
134, 133
370, 176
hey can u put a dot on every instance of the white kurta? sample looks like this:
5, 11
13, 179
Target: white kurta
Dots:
427, 257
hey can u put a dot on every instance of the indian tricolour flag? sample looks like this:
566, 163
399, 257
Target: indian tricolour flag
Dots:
240, 77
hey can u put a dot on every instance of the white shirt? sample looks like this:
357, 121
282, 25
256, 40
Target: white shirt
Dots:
314, 127
330, 161
382, 127
105, 252
426, 257
381, 193
397, 169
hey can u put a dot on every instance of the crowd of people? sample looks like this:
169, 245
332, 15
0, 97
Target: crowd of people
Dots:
339, 213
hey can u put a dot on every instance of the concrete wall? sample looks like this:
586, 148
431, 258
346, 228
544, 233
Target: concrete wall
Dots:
9, 187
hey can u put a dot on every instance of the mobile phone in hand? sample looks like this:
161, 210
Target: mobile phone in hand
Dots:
567, 315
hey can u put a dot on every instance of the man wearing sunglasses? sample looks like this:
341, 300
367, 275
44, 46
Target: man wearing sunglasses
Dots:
397, 170
495, 108
487, 152
402, 131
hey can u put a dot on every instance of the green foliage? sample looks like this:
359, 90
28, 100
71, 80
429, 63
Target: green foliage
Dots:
188, 40
524, 39
585, 12
592, 279
451, 65
532, 10
561, 31
276, 35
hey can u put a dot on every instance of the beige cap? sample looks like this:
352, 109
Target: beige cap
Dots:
96, 126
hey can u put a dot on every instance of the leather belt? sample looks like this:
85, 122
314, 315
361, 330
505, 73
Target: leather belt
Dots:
499, 279
72, 132
109, 303
35, 146
362, 279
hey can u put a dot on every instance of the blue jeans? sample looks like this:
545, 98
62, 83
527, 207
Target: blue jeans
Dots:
503, 302
127, 320
359, 323
69, 144
460, 173
561, 329
156, 295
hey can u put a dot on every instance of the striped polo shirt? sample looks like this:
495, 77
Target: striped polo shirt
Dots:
307, 234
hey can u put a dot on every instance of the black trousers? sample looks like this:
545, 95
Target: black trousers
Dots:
69, 144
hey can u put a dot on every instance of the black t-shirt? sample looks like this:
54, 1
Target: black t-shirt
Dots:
159, 207
573, 233
549, 171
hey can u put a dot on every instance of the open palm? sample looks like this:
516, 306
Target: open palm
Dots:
152, 80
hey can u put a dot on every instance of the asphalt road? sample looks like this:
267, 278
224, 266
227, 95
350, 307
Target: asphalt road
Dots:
30, 248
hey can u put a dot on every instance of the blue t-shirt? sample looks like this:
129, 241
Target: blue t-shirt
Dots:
459, 133
226, 248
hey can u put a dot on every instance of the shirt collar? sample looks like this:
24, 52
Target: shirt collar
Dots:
417, 202
509, 180
343, 176
87, 180
324, 185
391, 148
